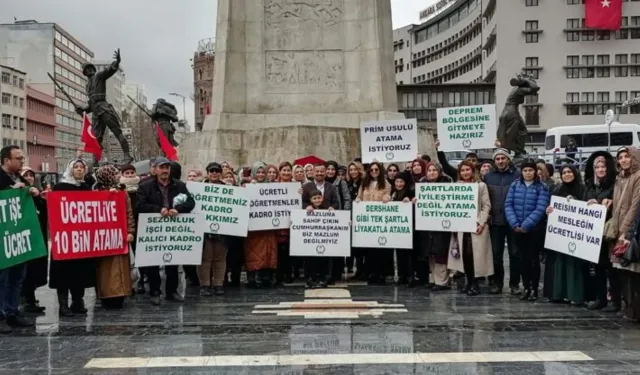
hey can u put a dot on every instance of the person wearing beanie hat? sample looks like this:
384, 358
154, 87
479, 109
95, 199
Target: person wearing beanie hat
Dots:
525, 207
485, 167
498, 181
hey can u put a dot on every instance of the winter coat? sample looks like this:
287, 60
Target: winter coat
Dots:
77, 273
373, 194
149, 198
113, 274
525, 206
261, 247
603, 189
343, 192
498, 183
626, 197
37, 269
482, 252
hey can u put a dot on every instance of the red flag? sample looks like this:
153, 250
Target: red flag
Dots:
208, 109
91, 144
603, 14
165, 146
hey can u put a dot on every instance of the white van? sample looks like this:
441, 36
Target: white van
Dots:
588, 139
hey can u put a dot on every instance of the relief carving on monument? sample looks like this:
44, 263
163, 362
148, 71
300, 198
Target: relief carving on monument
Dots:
290, 13
304, 71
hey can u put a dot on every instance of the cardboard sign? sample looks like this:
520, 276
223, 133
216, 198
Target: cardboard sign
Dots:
389, 141
169, 240
320, 233
447, 207
575, 228
87, 224
271, 205
384, 225
471, 127
225, 208
19, 228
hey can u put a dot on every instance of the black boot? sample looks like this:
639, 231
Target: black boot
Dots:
63, 302
77, 307
525, 295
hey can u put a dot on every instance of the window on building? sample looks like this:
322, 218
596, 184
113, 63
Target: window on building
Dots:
573, 2
636, 108
15, 122
21, 123
15, 101
21, 102
531, 25
635, 32
634, 71
622, 71
531, 3
621, 96
572, 24
572, 63
622, 33
589, 70
573, 109
6, 98
603, 98
6, 121
531, 38
587, 109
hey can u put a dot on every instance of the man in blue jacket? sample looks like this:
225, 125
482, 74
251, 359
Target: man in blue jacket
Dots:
498, 181
525, 208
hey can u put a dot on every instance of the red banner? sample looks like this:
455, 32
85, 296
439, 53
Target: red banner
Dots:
87, 224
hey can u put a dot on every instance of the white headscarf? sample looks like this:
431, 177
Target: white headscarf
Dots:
67, 177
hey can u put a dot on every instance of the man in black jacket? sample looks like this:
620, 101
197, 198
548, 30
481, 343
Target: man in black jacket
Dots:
11, 278
159, 196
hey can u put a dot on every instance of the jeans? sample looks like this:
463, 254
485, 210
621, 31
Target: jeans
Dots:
10, 283
498, 235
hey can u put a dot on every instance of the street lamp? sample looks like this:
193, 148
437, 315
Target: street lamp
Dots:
184, 104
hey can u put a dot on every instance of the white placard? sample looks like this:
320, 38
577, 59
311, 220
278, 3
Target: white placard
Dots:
320, 233
169, 241
575, 228
225, 208
471, 127
447, 207
271, 205
384, 225
389, 141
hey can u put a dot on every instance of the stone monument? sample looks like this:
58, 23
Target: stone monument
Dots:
296, 77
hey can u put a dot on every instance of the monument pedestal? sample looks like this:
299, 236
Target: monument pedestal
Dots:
296, 77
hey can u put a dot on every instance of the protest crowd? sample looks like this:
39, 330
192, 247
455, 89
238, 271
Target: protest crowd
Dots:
510, 204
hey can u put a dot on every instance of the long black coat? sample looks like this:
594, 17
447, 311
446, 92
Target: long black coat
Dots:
68, 274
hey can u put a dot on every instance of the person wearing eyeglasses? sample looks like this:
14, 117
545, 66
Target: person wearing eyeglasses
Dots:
376, 188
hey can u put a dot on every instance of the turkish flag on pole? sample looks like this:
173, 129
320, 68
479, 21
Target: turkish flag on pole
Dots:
603, 14
166, 147
91, 144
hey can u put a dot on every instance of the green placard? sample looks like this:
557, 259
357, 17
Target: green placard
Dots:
19, 228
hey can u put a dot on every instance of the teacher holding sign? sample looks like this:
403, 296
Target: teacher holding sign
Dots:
376, 188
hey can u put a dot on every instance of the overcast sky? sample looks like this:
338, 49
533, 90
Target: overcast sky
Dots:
157, 38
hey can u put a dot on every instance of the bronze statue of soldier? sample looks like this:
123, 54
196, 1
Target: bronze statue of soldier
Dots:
165, 114
103, 114
512, 132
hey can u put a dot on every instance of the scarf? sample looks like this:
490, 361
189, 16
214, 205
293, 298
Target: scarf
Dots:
67, 176
254, 170
573, 188
423, 164
130, 183
335, 166
107, 177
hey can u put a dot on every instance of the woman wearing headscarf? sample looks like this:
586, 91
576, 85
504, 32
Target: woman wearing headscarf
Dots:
434, 244
568, 280
299, 174
284, 274
354, 180
392, 171
600, 179
72, 276
337, 264
376, 188
471, 253
404, 191
36, 274
261, 247
342, 172
113, 281
625, 215
308, 171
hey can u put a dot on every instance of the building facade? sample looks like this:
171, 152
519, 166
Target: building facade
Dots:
582, 72
203, 66
41, 131
41, 48
13, 107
